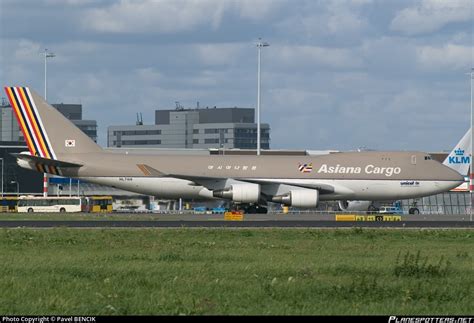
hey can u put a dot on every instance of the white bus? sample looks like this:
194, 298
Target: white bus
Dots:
51, 204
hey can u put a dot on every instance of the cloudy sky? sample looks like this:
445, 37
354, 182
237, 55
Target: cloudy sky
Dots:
339, 74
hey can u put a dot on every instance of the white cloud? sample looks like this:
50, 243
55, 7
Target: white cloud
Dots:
345, 21
26, 50
342, 19
462, 37
256, 9
158, 16
315, 55
431, 15
346, 16
207, 79
300, 101
167, 16
148, 75
453, 57
219, 54
79, 48
72, 2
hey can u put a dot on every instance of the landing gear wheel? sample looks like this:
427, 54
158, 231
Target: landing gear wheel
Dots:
250, 209
255, 209
372, 209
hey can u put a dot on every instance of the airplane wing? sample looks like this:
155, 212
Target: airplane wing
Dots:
246, 190
322, 188
214, 183
150, 171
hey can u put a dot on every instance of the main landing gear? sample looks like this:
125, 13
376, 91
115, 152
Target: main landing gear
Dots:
251, 208
372, 209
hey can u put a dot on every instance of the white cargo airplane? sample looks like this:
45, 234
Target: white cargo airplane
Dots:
57, 147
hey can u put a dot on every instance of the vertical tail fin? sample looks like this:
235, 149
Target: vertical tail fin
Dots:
460, 157
47, 132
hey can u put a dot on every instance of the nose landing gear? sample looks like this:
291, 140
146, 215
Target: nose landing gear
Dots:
414, 209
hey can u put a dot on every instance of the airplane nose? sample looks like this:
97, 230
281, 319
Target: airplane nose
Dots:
450, 179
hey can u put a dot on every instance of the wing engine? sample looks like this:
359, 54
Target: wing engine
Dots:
240, 193
354, 205
298, 198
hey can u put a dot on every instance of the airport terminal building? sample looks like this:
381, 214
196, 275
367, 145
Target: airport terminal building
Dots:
205, 128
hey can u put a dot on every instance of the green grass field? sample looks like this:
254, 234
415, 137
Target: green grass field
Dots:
236, 271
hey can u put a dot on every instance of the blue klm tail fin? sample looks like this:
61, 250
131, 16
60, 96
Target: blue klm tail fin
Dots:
460, 157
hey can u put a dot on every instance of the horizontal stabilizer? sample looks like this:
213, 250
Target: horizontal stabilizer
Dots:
150, 171
45, 161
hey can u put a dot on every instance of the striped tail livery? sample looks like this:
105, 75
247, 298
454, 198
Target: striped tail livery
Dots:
51, 138
30, 122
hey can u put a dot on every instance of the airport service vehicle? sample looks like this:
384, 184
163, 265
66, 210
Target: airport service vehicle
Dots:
200, 210
219, 210
50, 204
58, 147
8, 204
390, 210
99, 204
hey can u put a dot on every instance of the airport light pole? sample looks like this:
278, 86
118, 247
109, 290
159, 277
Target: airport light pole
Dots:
46, 56
471, 173
2, 175
260, 44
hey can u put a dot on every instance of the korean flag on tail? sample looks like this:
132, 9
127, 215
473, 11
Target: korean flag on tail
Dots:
70, 143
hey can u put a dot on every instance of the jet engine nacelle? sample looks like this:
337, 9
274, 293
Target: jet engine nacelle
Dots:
354, 205
299, 198
240, 193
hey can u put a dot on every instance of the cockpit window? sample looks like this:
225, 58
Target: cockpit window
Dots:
428, 157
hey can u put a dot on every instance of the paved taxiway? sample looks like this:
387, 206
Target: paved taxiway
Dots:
250, 221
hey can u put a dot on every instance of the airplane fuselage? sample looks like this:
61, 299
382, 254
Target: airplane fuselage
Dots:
338, 176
